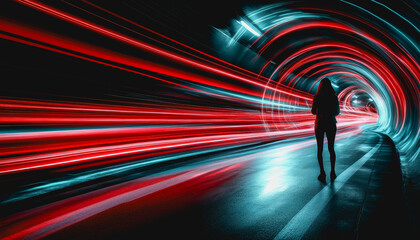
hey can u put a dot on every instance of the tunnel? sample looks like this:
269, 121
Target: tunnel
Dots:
192, 119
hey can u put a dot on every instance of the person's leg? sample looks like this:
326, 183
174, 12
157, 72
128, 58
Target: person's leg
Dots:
319, 134
331, 131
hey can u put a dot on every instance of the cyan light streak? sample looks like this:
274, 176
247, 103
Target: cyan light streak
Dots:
201, 104
393, 118
254, 101
399, 15
249, 28
387, 23
120, 170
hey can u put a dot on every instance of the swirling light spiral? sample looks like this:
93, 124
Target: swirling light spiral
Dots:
112, 88
372, 62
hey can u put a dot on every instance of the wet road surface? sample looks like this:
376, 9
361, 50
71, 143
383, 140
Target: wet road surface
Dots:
263, 191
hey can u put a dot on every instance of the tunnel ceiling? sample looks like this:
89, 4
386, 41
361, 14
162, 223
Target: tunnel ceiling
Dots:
369, 50
171, 110
243, 69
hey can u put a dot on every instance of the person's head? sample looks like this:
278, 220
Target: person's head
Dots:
325, 87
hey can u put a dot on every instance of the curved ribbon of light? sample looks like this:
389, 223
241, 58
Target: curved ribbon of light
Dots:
371, 62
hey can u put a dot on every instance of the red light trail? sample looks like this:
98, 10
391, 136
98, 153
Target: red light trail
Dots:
201, 103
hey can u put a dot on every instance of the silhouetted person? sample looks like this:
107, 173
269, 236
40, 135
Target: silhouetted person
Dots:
326, 107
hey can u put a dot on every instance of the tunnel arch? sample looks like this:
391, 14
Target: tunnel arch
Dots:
362, 53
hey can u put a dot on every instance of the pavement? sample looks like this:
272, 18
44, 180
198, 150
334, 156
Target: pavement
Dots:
260, 191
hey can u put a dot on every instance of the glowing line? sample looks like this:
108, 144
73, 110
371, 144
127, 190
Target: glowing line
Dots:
249, 28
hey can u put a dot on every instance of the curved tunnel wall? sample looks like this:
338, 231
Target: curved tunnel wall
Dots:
371, 59
118, 59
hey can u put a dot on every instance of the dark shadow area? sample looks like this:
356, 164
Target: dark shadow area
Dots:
411, 178
371, 204
384, 213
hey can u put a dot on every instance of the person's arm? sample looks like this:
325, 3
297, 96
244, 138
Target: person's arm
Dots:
337, 108
314, 105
